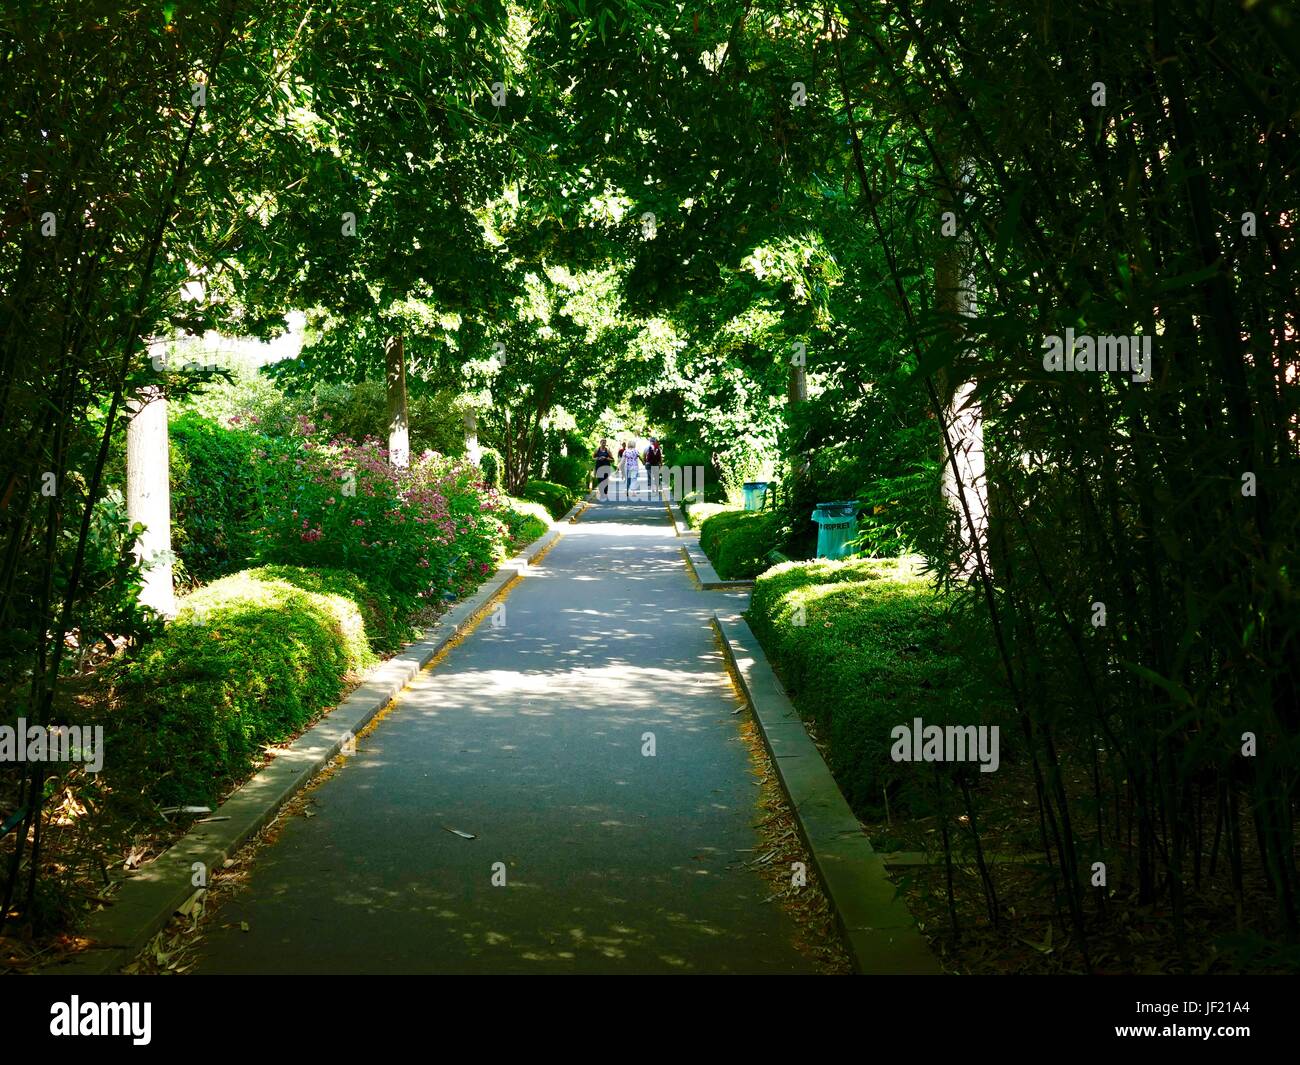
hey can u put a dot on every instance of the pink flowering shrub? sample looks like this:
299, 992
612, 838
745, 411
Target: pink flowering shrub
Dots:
427, 532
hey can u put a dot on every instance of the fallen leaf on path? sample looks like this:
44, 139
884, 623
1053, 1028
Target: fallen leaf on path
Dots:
458, 832
186, 907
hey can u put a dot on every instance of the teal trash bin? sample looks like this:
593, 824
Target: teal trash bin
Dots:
756, 494
837, 527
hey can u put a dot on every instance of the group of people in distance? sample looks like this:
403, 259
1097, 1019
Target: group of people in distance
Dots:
628, 464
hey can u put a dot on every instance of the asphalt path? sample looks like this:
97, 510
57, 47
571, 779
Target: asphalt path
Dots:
534, 735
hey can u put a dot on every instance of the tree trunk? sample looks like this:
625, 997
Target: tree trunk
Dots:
798, 391
955, 282
399, 434
148, 496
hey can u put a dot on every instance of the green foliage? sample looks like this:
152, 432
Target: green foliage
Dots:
897, 503
571, 471
698, 513
387, 626
216, 496
742, 461
490, 464
250, 659
109, 605
737, 542
351, 409
356, 411
556, 498
525, 520
694, 458
423, 533
863, 646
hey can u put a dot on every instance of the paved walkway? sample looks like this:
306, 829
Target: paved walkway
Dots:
529, 736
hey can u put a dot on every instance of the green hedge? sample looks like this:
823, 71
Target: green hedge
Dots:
697, 513
490, 463
250, 660
862, 646
554, 497
215, 495
737, 542
690, 457
525, 521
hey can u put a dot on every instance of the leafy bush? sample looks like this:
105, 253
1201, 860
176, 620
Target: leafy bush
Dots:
896, 504
556, 498
350, 409
743, 461
426, 532
111, 577
216, 498
249, 660
570, 471
525, 521
358, 410
714, 492
697, 513
490, 465
737, 542
573, 468
862, 646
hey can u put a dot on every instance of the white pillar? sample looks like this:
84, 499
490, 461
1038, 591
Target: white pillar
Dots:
148, 496
472, 450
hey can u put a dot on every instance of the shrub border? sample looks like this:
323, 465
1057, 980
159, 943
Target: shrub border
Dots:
701, 570
878, 929
145, 902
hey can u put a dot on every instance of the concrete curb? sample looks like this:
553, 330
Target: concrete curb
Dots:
878, 929
681, 527
704, 575
697, 562
145, 902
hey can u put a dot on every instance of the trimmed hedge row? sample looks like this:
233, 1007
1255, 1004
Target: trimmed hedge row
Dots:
697, 513
525, 520
556, 498
737, 542
862, 646
249, 660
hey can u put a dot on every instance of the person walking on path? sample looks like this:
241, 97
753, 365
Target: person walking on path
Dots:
604, 466
654, 460
630, 463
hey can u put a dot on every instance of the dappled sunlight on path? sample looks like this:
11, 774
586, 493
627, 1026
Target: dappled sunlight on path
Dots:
534, 736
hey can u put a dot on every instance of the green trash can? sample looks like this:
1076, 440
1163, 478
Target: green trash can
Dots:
837, 526
756, 494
